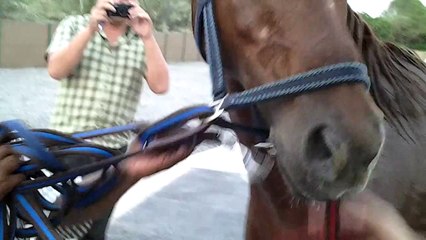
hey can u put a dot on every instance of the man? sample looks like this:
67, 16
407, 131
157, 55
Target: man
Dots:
131, 171
101, 62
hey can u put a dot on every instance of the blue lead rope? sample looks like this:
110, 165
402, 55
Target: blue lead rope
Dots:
67, 157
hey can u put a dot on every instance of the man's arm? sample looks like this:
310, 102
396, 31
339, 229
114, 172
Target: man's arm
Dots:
62, 62
68, 50
131, 171
100, 208
369, 215
157, 74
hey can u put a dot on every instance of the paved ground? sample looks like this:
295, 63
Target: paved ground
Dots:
204, 197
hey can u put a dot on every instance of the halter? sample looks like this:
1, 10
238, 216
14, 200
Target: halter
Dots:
314, 80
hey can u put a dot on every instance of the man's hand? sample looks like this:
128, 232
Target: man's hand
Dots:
144, 165
9, 163
98, 14
141, 22
370, 216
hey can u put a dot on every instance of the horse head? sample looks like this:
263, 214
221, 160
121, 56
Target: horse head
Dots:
327, 141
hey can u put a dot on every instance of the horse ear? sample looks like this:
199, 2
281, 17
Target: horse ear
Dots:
398, 76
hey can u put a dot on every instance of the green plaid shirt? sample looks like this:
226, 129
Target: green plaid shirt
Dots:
104, 89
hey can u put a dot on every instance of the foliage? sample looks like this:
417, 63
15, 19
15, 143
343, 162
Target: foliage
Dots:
167, 15
403, 23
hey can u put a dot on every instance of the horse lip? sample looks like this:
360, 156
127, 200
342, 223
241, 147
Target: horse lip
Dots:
296, 189
331, 193
293, 187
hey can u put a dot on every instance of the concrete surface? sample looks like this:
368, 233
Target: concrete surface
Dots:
204, 197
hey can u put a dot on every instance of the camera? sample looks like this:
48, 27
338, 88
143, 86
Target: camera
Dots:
121, 10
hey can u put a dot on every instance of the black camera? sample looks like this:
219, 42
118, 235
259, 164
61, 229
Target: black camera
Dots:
121, 10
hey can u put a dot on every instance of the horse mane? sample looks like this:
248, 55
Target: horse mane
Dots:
398, 76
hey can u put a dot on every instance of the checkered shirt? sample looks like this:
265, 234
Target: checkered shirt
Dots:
102, 91
105, 87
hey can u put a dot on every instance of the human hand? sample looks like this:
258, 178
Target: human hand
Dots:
141, 22
371, 217
9, 163
146, 164
98, 14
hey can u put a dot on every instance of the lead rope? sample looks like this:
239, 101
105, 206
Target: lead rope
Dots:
332, 218
48, 150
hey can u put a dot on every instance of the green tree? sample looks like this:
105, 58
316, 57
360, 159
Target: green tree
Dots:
381, 26
403, 23
408, 18
167, 15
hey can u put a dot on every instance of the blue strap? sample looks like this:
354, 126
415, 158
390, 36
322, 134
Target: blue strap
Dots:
313, 80
98, 193
27, 168
56, 138
38, 219
205, 14
3, 223
46, 204
106, 131
26, 232
31, 141
198, 25
89, 150
168, 123
213, 53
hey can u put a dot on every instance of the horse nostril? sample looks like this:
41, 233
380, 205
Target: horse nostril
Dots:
316, 146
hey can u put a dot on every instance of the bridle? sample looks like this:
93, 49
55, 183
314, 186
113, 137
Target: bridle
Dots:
205, 27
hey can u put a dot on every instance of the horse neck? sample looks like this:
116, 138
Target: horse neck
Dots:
273, 208
275, 214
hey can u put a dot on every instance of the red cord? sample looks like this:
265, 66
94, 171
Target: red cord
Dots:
333, 219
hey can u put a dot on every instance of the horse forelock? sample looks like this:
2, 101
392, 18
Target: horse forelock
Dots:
398, 77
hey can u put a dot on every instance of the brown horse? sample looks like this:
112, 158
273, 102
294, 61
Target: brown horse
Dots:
328, 142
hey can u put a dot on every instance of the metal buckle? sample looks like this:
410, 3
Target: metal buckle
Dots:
259, 161
267, 148
218, 110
